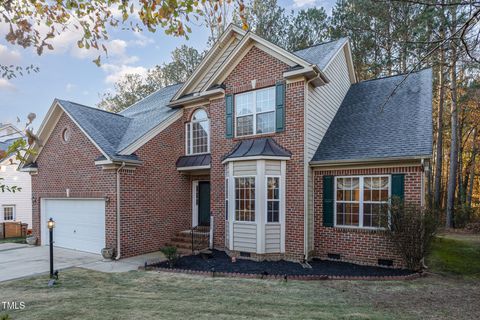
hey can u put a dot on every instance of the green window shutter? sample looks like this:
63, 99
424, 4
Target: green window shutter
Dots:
280, 106
328, 194
229, 115
398, 185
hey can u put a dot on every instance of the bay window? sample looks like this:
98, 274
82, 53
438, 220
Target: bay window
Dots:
255, 112
198, 133
360, 201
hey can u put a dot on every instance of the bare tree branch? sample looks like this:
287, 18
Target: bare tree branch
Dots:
449, 38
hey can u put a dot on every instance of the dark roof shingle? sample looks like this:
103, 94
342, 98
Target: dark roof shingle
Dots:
361, 130
257, 147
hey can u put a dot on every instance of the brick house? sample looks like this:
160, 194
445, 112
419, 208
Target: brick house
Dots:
276, 154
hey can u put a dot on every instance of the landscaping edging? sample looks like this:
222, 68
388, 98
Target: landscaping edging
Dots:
284, 277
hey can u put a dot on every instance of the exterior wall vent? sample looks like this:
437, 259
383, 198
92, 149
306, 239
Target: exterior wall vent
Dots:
385, 262
334, 256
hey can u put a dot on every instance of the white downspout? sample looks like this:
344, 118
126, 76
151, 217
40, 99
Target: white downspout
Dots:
305, 171
119, 254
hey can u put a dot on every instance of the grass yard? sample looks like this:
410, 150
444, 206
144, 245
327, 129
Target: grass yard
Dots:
82, 294
456, 254
13, 240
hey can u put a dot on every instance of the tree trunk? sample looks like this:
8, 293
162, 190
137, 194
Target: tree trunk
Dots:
439, 151
452, 181
472, 168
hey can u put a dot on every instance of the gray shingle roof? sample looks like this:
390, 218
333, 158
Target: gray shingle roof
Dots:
148, 113
361, 130
257, 147
114, 132
322, 53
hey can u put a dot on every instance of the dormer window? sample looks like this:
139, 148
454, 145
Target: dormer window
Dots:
198, 133
255, 112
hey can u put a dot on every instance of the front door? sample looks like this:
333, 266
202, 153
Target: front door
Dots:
204, 203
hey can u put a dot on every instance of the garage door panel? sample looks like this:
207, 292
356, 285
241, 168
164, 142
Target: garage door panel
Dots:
79, 224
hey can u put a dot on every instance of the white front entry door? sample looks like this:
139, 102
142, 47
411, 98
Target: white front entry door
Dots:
79, 223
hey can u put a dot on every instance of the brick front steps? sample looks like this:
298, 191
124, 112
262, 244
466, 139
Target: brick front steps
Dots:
221, 265
183, 240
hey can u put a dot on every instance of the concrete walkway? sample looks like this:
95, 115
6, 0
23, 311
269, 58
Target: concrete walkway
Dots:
21, 260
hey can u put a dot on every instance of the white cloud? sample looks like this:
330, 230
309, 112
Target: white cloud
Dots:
141, 39
303, 3
69, 87
9, 56
117, 72
6, 85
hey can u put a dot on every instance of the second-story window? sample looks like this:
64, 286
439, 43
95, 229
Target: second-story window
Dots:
255, 112
198, 133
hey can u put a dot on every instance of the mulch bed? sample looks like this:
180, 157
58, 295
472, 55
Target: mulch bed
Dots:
220, 264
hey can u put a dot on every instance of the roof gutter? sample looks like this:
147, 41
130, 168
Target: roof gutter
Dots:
196, 97
329, 163
119, 248
312, 72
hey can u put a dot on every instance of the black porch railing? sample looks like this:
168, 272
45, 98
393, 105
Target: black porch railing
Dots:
200, 236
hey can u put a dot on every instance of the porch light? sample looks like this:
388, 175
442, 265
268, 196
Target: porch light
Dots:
50, 224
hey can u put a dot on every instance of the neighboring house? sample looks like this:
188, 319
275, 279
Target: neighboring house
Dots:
14, 206
282, 154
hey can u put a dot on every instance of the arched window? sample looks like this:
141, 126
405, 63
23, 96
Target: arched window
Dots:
198, 133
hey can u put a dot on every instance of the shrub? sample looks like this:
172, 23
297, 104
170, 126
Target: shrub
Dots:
171, 254
463, 216
412, 229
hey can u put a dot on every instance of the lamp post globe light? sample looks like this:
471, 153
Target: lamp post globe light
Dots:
51, 225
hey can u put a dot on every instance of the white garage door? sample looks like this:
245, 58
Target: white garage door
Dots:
79, 224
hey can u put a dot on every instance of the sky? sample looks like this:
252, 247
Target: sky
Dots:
68, 72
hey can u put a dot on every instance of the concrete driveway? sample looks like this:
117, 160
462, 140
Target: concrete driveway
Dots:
21, 260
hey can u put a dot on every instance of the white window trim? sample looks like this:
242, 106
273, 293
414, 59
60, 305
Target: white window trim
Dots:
14, 213
254, 113
360, 202
280, 188
235, 200
189, 134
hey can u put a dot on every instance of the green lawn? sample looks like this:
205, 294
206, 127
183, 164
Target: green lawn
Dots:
82, 294
456, 254
13, 240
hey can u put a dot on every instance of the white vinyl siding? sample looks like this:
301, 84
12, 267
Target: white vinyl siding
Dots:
216, 65
245, 168
272, 237
322, 105
22, 200
272, 168
244, 237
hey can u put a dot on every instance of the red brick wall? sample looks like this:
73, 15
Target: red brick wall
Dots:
71, 166
258, 65
156, 198
360, 245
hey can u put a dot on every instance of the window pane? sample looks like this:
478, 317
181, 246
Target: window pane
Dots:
266, 122
244, 103
199, 115
8, 213
273, 199
200, 132
245, 199
266, 100
244, 125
